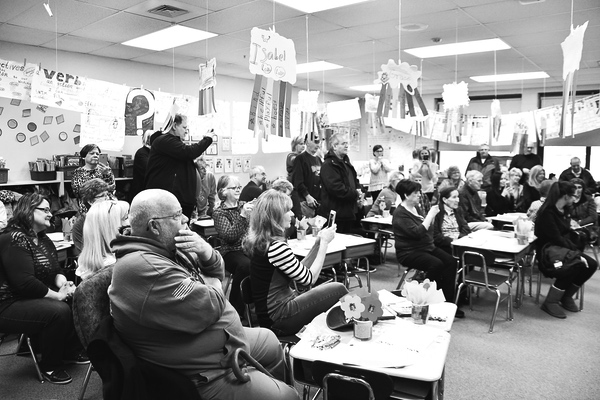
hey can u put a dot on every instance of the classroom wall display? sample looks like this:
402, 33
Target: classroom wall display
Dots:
58, 89
16, 79
208, 81
139, 111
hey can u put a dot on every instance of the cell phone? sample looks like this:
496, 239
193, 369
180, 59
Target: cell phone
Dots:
331, 219
425, 157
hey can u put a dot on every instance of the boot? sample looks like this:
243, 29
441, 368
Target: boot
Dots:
567, 301
551, 304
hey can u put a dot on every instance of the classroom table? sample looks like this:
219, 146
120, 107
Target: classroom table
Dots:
505, 219
504, 245
377, 222
414, 356
357, 248
332, 257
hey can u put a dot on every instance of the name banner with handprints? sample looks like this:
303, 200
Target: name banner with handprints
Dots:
272, 55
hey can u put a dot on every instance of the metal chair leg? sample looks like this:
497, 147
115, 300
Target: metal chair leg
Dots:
35, 360
86, 380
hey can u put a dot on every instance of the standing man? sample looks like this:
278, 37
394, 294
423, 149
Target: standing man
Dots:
257, 184
526, 161
340, 189
577, 172
470, 202
168, 305
140, 163
485, 164
171, 164
206, 189
306, 177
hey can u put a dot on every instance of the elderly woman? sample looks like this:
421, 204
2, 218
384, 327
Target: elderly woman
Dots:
388, 198
274, 267
496, 203
298, 147
454, 179
449, 224
531, 188
380, 168
513, 190
92, 169
413, 233
231, 223
34, 291
91, 191
583, 212
101, 227
553, 227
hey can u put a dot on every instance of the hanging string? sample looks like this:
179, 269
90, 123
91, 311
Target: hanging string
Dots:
399, 30
308, 73
456, 41
323, 80
496, 75
206, 40
572, 13
373, 60
55, 36
522, 70
421, 83
273, 14
173, 55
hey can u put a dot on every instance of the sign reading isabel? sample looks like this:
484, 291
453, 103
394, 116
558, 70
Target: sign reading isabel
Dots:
272, 55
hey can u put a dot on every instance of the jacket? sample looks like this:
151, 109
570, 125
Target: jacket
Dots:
439, 239
339, 184
171, 166
470, 203
487, 168
410, 234
586, 176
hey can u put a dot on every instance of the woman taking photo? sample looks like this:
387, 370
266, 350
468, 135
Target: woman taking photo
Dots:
92, 169
101, 226
553, 227
424, 164
34, 291
496, 203
449, 224
231, 223
274, 266
414, 241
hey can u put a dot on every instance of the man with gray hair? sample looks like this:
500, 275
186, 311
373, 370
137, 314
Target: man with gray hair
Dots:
257, 184
470, 202
577, 172
168, 305
206, 189
484, 163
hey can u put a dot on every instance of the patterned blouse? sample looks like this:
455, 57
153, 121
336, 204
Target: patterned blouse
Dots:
231, 227
450, 226
31, 268
81, 175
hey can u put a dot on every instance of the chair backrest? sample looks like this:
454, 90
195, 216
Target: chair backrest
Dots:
348, 383
246, 293
477, 258
91, 304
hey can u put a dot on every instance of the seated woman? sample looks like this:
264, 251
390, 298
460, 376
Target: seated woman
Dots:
231, 223
454, 179
387, 196
414, 241
274, 266
583, 212
514, 190
531, 188
33, 290
91, 191
535, 206
553, 226
102, 224
449, 224
496, 202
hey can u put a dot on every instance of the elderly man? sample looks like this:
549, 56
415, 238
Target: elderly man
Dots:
340, 189
577, 172
257, 184
485, 164
206, 191
526, 161
168, 305
470, 202
306, 176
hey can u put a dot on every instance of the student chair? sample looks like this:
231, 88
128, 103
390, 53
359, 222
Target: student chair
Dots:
23, 338
476, 272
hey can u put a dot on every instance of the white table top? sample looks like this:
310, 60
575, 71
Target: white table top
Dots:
302, 247
342, 239
499, 241
205, 223
58, 240
379, 220
399, 348
508, 217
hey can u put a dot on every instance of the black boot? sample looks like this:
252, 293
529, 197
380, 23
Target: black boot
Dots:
567, 301
551, 304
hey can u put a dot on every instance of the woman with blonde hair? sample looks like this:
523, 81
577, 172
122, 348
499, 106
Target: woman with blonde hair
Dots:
274, 266
531, 188
513, 190
101, 226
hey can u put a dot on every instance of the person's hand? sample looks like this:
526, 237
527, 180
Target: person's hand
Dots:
311, 201
65, 292
574, 224
190, 242
327, 234
433, 211
247, 209
525, 170
584, 261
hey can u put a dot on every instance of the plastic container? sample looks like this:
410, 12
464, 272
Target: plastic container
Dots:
43, 175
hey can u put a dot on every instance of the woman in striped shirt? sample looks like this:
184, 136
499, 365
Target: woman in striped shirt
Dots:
274, 266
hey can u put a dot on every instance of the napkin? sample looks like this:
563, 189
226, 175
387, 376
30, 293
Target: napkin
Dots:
423, 293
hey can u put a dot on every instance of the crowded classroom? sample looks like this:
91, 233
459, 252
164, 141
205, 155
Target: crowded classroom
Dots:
278, 199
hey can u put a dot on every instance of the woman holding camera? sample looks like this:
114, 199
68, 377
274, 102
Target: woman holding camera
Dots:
425, 165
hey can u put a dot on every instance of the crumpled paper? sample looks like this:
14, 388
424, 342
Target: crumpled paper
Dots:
523, 226
423, 293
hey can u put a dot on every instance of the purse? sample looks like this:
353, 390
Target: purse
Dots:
556, 261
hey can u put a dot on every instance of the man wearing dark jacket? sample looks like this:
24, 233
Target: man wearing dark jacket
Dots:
485, 164
577, 172
470, 202
340, 189
171, 164
306, 177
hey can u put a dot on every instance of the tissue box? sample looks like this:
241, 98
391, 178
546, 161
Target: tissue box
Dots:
3, 175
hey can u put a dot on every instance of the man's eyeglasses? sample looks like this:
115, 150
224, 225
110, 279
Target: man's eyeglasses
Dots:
44, 209
176, 216
234, 187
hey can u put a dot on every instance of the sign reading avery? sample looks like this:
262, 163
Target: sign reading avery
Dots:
272, 55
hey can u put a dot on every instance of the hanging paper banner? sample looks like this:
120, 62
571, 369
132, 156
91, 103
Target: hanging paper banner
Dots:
496, 113
58, 89
16, 79
345, 110
455, 95
208, 81
572, 48
139, 111
272, 56
402, 78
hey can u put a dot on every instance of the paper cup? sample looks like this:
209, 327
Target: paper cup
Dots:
301, 234
363, 330
420, 314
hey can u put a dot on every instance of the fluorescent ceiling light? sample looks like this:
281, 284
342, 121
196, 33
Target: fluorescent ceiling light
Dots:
313, 6
476, 46
510, 77
173, 36
367, 88
316, 66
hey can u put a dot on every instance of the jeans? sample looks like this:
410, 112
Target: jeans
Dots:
51, 320
264, 348
238, 265
302, 309
439, 267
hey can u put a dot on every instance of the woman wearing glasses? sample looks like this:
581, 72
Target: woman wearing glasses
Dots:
231, 223
102, 224
34, 291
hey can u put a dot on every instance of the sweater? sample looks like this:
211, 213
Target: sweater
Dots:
410, 234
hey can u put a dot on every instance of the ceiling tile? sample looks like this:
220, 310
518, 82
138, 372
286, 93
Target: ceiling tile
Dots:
19, 34
161, 58
10, 9
121, 27
120, 51
76, 44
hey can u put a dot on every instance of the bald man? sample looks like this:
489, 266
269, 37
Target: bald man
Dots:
168, 305
256, 185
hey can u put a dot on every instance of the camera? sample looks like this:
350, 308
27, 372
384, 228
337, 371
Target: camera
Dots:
426, 157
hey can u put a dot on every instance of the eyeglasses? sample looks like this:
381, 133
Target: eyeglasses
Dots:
176, 216
234, 187
44, 209
379, 151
